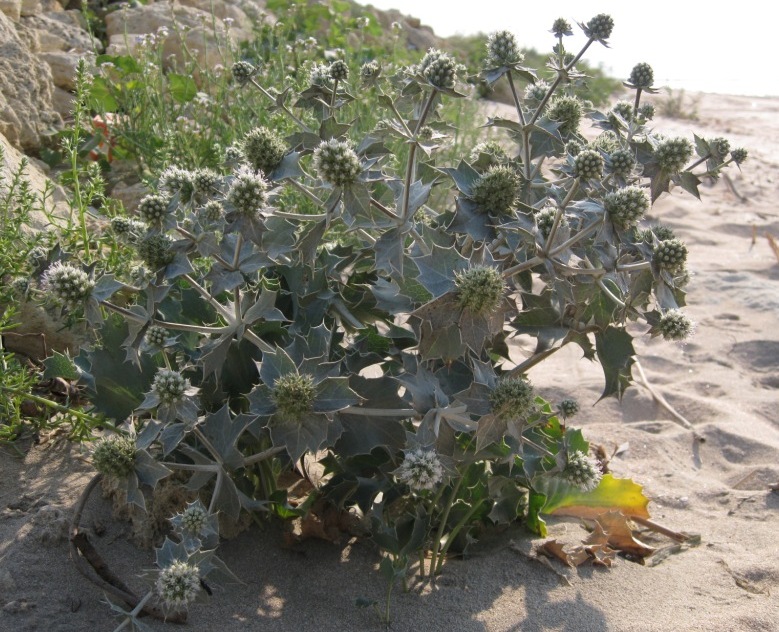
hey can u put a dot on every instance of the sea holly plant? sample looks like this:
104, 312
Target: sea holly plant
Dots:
368, 326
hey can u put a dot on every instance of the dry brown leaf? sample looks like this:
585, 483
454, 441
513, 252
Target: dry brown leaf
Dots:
619, 535
601, 555
573, 557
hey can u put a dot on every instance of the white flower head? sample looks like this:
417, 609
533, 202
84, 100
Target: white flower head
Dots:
178, 584
421, 470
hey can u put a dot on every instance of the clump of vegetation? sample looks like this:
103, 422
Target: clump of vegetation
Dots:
340, 290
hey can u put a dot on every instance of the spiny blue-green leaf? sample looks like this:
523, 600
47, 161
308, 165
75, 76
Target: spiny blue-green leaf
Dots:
614, 347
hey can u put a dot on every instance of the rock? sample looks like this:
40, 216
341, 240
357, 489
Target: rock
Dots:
26, 110
129, 194
17, 606
51, 525
62, 101
58, 35
63, 67
11, 8
7, 583
193, 30
31, 7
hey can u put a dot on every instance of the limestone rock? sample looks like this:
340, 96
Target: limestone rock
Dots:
186, 27
30, 7
63, 67
62, 101
11, 8
25, 92
58, 35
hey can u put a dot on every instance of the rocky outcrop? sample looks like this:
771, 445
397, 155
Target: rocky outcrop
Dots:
26, 111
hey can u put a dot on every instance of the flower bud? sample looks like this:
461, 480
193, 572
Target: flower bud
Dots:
170, 386
263, 149
155, 251
479, 288
156, 336
673, 153
439, 69
626, 206
114, 456
568, 408
567, 111
243, 72
622, 162
67, 284
582, 471
674, 325
152, 209
670, 254
588, 165
600, 27
512, 399
337, 163
496, 190
739, 155
642, 76
503, 50
561, 27
339, 71
294, 395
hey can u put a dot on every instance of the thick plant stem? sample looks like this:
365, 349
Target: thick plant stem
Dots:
525, 131
455, 532
412, 153
434, 565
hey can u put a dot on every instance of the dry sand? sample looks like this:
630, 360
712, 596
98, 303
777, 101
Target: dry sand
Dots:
725, 380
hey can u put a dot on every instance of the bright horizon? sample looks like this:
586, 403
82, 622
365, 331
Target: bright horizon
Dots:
696, 46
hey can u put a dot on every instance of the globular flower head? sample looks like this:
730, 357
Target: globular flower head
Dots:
20, 286
503, 50
126, 228
567, 111
670, 254
194, 518
294, 395
243, 72
337, 163
319, 75
479, 288
719, 148
622, 162
248, 193
573, 147
155, 251
673, 153
588, 165
545, 220
212, 211
642, 76
512, 398
536, 91
156, 336
152, 209
176, 180
114, 456
421, 470
263, 149
204, 181
170, 386
582, 471
662, 232
606, 141
568, 408
370, 71
140, 275
178, 585
439, 69
339, 71
623, 109
674, 325
647, 111
561, 27
739, 155
492, 149
626, 206
233, 154
496, 190
67, 284
600, 27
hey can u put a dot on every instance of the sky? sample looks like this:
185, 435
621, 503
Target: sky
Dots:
713, 46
